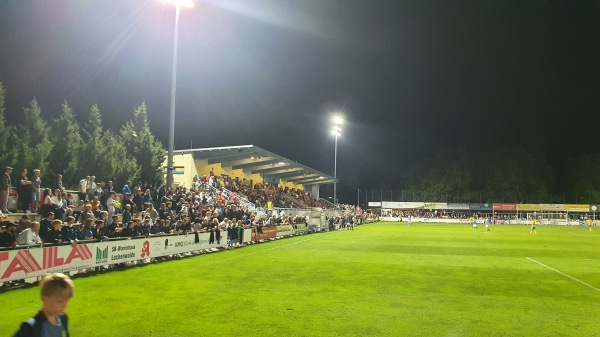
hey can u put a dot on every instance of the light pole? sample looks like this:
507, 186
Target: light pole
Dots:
178, 4
337, 131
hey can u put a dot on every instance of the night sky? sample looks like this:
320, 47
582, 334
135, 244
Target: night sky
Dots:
409, 76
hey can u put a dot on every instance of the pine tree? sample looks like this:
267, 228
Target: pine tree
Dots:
68, 147
32, 144
6, 156
143, 146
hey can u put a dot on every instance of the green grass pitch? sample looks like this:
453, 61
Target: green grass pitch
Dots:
382, 279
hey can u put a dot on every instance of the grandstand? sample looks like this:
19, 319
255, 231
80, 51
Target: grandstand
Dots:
248, 163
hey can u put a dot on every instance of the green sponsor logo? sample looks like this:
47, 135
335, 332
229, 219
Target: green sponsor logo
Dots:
101, 255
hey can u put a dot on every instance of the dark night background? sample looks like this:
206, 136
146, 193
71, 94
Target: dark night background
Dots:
409, 76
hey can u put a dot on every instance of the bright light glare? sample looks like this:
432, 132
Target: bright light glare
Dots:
181, 3
338, 120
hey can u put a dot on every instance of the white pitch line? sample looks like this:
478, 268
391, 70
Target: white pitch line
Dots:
563, 274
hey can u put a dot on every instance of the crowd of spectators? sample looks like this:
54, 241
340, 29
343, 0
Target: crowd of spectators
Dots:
103, 212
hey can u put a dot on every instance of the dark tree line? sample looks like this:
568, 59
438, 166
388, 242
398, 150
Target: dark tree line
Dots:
63, 146
509, 174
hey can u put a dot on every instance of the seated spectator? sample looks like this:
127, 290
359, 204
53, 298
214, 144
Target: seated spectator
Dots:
96, 206
53, 235
87, 232
100, 230
127, 214
68, 231
8, 238
23, 223
30, 236
46, 224
130, 231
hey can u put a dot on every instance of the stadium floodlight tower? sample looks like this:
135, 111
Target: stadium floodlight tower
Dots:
338, 120
170, 165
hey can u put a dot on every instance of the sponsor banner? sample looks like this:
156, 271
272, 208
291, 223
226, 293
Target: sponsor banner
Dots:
283, 230
594, 208
374, 204
577, 207
302, 228
268, 232
24, 263
553, 207
402, 205
436, 205
38, 261
504, 207
529, 207
480, 207
464, 207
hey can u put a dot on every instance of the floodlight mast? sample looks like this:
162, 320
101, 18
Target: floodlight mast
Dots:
170, 165
337, 131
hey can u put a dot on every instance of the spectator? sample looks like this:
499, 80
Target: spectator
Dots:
83, 188
8, 238
4, 188
68, 232
110, 206
90, 189
54, 235
56, 290
30, 236
127, 188
23, 223
47, 204
36, 185
100, 230
24, 190
87, 231
46, 224
127, 214
58, 184
138, 200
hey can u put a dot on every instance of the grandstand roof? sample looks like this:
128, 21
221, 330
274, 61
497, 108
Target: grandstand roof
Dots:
255, 160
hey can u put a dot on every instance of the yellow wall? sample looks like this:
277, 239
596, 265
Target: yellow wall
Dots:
185, 159
202, 168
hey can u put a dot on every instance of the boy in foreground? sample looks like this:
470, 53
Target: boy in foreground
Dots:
57, 290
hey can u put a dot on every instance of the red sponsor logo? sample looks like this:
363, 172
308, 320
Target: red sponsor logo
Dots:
26, 262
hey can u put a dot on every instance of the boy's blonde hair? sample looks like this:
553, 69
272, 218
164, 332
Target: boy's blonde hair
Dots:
57, 284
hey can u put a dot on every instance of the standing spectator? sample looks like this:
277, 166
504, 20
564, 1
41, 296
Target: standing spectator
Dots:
110, 206
36, 186
4, 187
90, 189
24, 189
58, 184
47, 204
110, 187
82, 188
126, 188
138, 200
